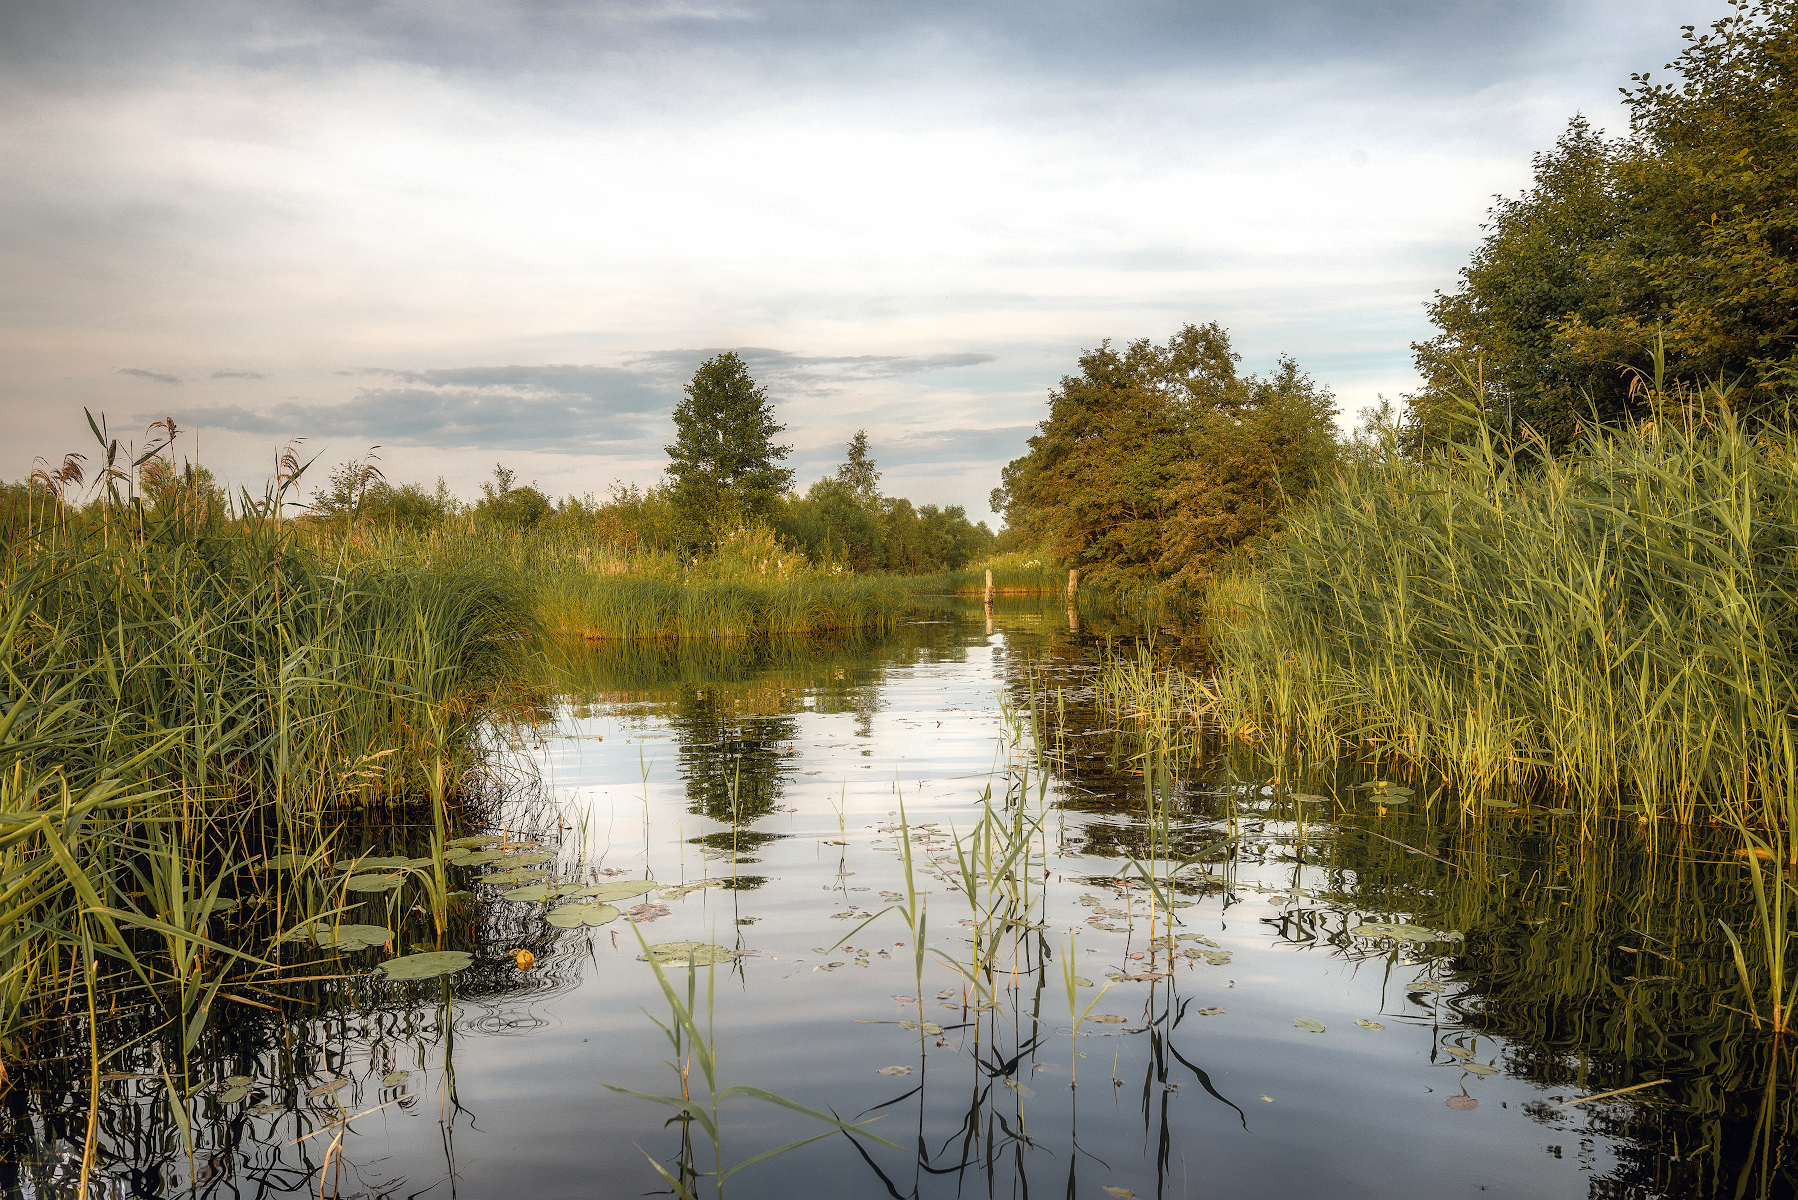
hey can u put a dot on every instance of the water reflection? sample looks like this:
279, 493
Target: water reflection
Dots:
1583, 960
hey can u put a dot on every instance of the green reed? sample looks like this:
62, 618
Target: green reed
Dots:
1615, 621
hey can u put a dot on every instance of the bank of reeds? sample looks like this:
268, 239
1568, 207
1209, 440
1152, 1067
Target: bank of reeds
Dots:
228, 660
1615, 621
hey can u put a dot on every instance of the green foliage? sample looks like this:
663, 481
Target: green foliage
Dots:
1156, 461
845, 521
1685, 230
723, 463
513, 507
1618, 623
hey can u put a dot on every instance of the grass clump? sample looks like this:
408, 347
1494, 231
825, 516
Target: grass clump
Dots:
1617, 622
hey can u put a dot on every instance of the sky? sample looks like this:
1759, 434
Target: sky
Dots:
471, 232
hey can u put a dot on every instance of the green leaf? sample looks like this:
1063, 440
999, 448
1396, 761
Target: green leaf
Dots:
1308, 1024
374, 883
700, 953
573, 916
427, 965
617, 889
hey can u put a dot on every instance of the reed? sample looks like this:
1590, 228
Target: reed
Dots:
1615, 622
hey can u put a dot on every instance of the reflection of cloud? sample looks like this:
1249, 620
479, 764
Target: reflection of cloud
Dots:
237, 375
152, 376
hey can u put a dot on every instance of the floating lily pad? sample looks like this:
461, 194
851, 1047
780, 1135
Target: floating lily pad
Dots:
427, 965
1081, 981
395, 1078
895, 1070
675, 893
263, 1110
1022, 1089
1473, 1068
930, 1027
285, 862
1217, 958
232, 1095
1462, 1103
573, 916
1559, 812
371, 863
529, 860
479, 839
238, 1080
681, 952
479, 858
328, 1087
351, 937
374, 883
537, 891
1308, 1024
1126, 1193
1406, 932
1108, 1018
1370, 1024
617, 889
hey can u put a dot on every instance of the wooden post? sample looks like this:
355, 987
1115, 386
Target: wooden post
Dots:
989, 586
1073, 582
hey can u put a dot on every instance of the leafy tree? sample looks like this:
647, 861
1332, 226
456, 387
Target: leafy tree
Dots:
857, 473
1683, 233
191, 488
504, 504
723, 463
1157, 462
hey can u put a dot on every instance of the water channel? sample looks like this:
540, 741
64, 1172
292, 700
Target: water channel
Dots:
1343, 993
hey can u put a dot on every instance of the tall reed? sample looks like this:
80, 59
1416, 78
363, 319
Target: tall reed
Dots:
1616, 622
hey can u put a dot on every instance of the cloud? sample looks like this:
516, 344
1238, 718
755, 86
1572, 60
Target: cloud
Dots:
813, 374
999, 443
152, 376
237, 375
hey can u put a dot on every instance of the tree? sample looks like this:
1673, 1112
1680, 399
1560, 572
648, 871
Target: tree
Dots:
858, 473
723, 461
1093, 488
1683, 234
517, 507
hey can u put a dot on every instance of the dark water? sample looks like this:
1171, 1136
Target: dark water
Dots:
1587, 960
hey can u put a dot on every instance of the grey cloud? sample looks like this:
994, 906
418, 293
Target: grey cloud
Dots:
152, 376
944, 447
237, 375
811, 373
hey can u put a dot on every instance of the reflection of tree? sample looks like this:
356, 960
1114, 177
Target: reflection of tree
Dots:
722, 751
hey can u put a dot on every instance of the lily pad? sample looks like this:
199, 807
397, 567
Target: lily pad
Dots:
1308, 1024
371, 863
374, 883
930, 1027
479, 858
351, 937
895, 1070
238, 1080
232, 1095
1473, 1068
328, 1087
1462, 1103
617, 889
285, 862
573, 916
1081, 981
681, 952
395, 1078
524, 876
479, 839
1126, 1193
1213, 1012
536, 891
530, 860
427, 965
1370, 1024
1108, 1018
675, 893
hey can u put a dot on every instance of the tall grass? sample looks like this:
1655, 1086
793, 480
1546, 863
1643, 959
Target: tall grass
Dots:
1616, 622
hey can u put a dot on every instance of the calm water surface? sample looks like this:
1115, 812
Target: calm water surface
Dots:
1193, 1079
